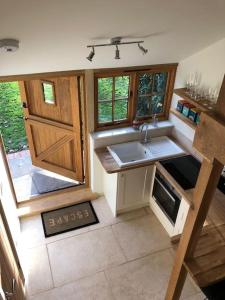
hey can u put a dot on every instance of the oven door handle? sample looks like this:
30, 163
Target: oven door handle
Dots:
172, 198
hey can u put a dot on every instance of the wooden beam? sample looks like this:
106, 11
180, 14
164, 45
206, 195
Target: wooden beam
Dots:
20, 77
220, 104
209, 137
203, 195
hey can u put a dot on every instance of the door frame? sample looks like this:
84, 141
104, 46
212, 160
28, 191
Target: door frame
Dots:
84, 127
12, 245
5, 161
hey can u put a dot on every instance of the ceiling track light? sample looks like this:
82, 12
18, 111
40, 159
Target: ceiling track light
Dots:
117, 56
115, 42
144, 51
91, 54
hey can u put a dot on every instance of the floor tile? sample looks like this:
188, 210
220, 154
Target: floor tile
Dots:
106, 217
145, 278
198, 296
141, 236
32, 233
90, 288
83, 255
37, 270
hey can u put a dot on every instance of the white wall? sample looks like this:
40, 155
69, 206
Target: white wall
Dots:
210, 63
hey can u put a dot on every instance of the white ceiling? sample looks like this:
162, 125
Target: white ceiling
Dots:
54, 33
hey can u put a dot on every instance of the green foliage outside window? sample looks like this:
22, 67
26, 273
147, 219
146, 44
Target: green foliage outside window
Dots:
151, 94
113, 98
11, 118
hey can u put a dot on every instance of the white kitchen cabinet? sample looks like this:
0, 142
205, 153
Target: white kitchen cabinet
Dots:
128, 190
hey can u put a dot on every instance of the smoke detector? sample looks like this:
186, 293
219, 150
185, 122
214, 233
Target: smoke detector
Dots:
9, 45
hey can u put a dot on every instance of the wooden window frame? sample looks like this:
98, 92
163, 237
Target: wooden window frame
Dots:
134, 73
118, 123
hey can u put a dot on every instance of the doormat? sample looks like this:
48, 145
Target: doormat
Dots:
68, 218
45, 183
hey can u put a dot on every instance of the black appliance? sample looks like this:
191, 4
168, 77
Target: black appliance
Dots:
166, 197
185, 170
215, 291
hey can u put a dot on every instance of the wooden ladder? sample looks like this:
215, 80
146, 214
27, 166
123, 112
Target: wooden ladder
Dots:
202, 252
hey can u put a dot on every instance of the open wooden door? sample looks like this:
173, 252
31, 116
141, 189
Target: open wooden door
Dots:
53, 124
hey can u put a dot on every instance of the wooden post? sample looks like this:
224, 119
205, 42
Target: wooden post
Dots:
206, 185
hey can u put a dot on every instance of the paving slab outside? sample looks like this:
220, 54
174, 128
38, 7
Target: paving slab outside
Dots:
31, 181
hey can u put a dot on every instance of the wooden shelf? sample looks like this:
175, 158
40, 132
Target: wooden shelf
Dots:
207, 266
183, 118
199, 104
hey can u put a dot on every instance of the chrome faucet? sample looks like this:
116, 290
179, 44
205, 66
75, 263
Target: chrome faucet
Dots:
146, 138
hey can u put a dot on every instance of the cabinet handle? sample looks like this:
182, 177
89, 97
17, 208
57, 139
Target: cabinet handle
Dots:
9, 295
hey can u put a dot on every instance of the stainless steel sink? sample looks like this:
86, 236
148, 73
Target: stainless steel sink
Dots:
131, 153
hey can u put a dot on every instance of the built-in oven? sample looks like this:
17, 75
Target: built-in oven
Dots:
166, 197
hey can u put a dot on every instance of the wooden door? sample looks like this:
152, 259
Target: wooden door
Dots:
53, 124
11, 275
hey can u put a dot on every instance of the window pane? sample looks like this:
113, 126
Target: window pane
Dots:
120, 110
145, 84
105, 87
122, 87
160, 80
144, 106
48, 91
104, 112
157, 104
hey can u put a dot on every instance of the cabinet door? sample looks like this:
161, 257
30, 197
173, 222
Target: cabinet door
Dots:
134, 188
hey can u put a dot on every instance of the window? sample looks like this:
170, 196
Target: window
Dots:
113, 95
48, 92
130, 94
151, 94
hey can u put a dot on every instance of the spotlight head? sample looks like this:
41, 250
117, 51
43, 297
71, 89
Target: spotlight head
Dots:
117, 55
91, 55
144, 51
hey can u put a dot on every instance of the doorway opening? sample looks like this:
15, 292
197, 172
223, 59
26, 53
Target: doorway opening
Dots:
30, 179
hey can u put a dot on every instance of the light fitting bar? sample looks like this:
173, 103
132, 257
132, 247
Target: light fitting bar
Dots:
115, 43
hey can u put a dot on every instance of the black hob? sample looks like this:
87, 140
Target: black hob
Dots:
185, 170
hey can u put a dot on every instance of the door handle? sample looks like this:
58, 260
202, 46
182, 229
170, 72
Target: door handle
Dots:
24, 104
9, 295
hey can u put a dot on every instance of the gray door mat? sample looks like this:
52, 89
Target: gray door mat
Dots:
68, 218
45, 183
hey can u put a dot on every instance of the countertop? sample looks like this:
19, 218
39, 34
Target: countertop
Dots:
110, 165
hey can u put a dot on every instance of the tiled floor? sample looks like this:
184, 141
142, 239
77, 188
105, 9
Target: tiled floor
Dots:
129, 257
